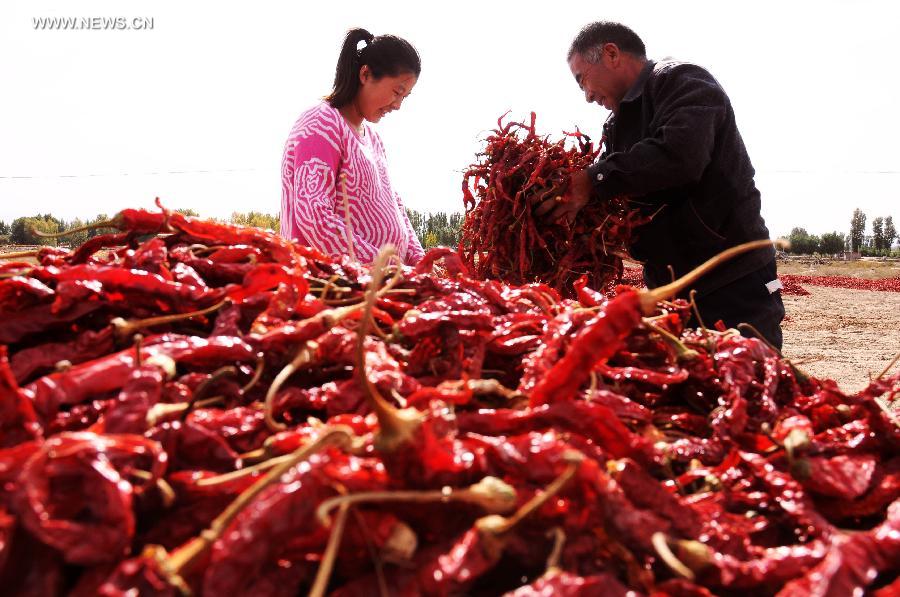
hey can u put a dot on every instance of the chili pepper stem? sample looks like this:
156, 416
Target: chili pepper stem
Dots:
190, 553
396, 426
158, 554
138, 355
399, 535
347, 222
257, 374
204, 386
752, 329
801, 375
888, 368
649, 298
559, 539
104, 224
696, 309
126, 327
330, 554
494, 527
243, 472
694, 556
329, 283
491, 493
886, 409
162, 410
681, 350
305, 355
19, 254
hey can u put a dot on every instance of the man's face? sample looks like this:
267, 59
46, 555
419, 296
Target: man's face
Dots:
602, 82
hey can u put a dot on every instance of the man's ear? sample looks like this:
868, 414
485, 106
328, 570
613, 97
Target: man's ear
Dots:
611, 52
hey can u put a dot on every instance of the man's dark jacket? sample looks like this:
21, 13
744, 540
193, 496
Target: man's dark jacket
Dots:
674, 148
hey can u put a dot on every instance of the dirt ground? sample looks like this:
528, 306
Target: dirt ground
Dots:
846, 335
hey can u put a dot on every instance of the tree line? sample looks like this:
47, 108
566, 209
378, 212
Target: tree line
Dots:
432, 229
879, 243
443, 229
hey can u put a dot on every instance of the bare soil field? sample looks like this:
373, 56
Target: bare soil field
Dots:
864, 268
847, 335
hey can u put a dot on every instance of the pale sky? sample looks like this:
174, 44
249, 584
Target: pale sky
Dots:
197, 109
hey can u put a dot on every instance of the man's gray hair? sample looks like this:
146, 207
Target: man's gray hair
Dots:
589, 41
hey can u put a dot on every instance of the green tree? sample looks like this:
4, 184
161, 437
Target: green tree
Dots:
802, 242
832, 242
22, 230
188, 212
76, 238
878, 235
97, 220
857, 229
416, 220
4, 228
256, 219
890, 233
436, 229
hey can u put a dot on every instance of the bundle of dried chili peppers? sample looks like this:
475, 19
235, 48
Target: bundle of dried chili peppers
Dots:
502, 239
882, 285
188, 407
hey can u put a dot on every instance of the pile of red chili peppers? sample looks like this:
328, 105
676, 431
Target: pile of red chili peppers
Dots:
633, 276
501, 239
790, 286
190, 407
882, 284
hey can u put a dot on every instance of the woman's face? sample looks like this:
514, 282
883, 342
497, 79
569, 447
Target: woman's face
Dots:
377, 97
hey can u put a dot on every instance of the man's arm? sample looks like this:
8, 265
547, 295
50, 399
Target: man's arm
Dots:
690, 107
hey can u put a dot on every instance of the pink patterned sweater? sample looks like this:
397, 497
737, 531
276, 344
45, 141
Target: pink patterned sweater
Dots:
321, 148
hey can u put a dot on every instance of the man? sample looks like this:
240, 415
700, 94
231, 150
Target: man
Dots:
672, 146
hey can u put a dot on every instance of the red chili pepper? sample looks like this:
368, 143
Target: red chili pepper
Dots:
601, 339
140, 392
451, 259
18, 421
137, 286
853, 563
94, 378
214, 274
252, 539
589, 419
884, 489
844, 476
237, 253
566, 584
97, 525
32, 568
88, 345
41, 318
18, 292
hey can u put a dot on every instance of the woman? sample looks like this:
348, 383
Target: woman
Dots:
336, 193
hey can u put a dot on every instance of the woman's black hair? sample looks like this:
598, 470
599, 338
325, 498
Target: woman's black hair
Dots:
386, 55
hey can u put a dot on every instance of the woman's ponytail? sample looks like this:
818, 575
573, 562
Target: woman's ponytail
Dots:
386, 55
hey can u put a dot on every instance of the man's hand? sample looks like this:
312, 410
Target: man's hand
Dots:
567, 207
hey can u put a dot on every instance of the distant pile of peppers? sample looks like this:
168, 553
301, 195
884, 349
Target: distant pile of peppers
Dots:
190, 407
882, 284
501, 238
